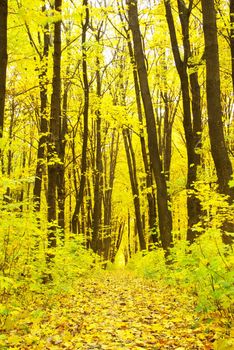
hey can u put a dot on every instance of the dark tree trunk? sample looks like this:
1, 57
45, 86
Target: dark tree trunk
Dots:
107, 197
167, 136
98, 178
54, 137
7, 196
164, 214
232, 38
218, 148
61, 166
132, 169
134, 186
87, 213
145, 157
192, 127
43, 128
169, 117
3, 59
85, 120
118, 240
197, 115
22, 191
146, 161
129, 236
97, 187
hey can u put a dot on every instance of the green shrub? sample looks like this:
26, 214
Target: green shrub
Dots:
205, 269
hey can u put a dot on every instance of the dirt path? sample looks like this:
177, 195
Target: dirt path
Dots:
114, 311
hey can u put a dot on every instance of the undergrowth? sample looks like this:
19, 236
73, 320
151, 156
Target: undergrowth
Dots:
204, 270
23, 250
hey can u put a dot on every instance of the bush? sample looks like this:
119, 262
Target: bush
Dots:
205, 269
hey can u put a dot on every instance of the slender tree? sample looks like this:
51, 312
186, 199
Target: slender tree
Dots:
54, 137
43, 122
164, 214
231, 8
145, 157
218, 148
98, 176
3, 59
131, 159
10, 153
79, 198
41, 49
170, 106
108, 240
191, 114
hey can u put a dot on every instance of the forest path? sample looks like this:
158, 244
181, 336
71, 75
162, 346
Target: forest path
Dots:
112, 311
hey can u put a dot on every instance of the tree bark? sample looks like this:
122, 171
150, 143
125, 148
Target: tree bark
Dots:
53, 144
146, 161
85, 120
3, 59
61, 166
7, 196
98, 180
218, 148
134, 186
164, 214
169, 117
43, 128
145, 157
219, 151
232, 38
192, 126
107, 197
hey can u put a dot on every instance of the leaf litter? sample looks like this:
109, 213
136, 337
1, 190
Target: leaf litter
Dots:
115, 310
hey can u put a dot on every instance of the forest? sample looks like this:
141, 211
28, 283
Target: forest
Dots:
116, 174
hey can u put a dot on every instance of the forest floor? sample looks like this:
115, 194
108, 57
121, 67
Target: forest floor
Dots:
115, 310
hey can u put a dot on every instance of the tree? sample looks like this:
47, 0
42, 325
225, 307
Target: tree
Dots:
145, 157
192, 126
80, 194
3, 59
109, 244
131, 159
98, 171
164, 214
54, 135
231, 11
219, 151
43, 122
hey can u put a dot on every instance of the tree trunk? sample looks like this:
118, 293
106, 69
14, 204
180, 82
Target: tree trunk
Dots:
164, 214
54, 139
61, 166
218, 149
192, 127
7, 196
134, 186
146, 161
145, 157
98, 190
43, 128
169, 117
232, 38
107, 197
85, 119
3, 59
